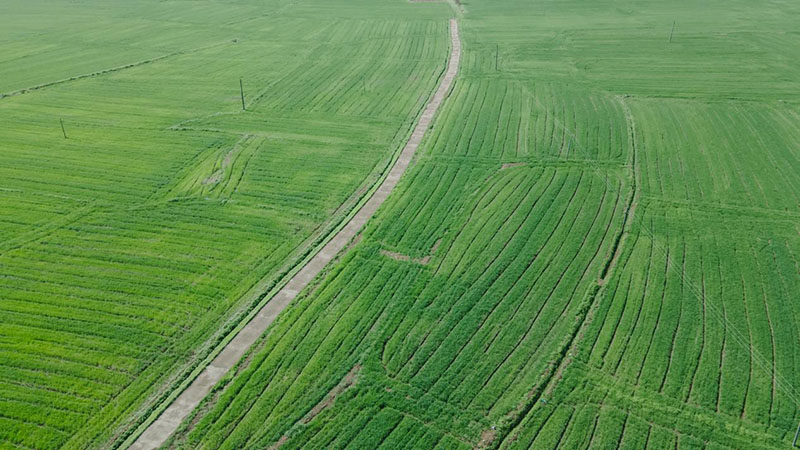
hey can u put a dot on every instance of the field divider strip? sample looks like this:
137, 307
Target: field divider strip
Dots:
568, 348
108, 71
166, 418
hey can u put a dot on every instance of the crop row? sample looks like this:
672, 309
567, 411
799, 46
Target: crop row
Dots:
512, 120
472, 328
126, 246
690, 153
591, 409
356, 74
694, 317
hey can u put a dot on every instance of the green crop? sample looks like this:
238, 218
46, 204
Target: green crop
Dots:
596, 245
595, 249
134, 239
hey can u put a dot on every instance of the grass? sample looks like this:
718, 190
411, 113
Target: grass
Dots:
130, 247
595, 247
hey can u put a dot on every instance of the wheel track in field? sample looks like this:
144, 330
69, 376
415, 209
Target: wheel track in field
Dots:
108, 71
558, 283
424, 344
497, 259
569, 347
162, 426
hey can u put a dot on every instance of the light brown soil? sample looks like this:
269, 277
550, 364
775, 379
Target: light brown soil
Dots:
510, 165
487, 438
395, 255
280, 443
348, 381
214, 178
401, 257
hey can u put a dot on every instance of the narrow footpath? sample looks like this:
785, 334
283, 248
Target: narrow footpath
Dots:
166, 424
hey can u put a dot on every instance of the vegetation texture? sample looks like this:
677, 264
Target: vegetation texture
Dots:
597, 248
129, 248
597, 245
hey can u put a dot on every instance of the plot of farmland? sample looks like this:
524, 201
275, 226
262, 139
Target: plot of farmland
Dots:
128, 249
597, 244
597, 249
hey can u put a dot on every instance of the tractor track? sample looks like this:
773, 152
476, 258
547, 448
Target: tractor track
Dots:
165, 424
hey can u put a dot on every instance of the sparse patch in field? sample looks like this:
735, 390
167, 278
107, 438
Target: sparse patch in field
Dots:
402, 257
347, 382
510, 165
280, 443
487, 438
395, 255
219, 172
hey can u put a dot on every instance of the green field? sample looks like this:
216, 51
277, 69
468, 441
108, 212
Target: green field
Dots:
596, 246
129, 248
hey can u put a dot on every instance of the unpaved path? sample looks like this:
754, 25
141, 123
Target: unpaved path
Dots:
160, 430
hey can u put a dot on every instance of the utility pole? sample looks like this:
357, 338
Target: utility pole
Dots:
64, 132
796, 435
671, 31
496, 56
241, 91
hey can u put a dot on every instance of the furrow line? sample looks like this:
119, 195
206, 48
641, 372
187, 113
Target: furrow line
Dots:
168, 421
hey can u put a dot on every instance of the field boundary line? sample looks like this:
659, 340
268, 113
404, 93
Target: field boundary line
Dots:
167, 417
567, 350
115, 69
47, 228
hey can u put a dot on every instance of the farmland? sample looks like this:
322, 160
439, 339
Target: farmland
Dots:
128, 249
596, 248
597, 244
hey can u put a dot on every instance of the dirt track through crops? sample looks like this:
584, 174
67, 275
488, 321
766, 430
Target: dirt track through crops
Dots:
160, 430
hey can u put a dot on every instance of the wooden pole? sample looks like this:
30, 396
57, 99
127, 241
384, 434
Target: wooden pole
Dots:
63, 131
671, 31
496, 56
241, 91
